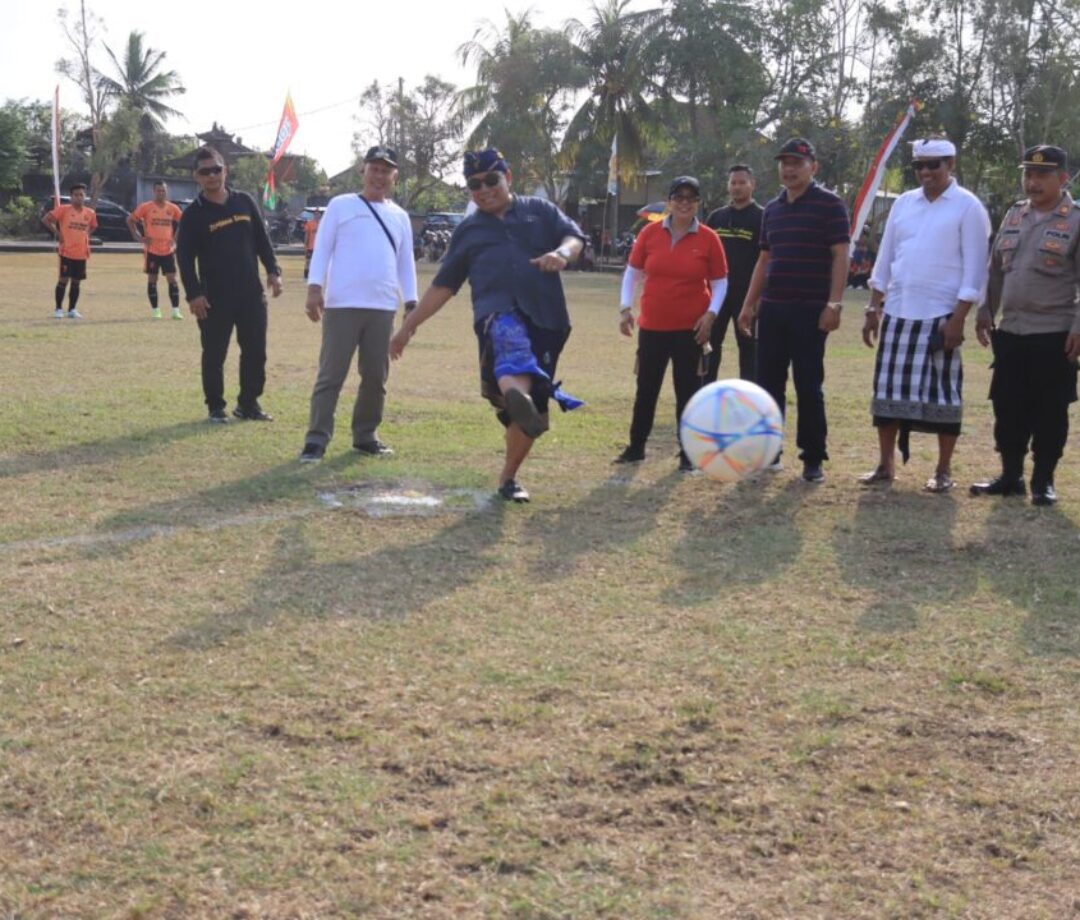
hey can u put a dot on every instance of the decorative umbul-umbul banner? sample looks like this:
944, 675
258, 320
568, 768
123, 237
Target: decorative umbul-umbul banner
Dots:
285, 133
865, 199
56, 144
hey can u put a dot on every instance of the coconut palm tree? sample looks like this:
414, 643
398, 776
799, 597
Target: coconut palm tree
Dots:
613, 47
140, 81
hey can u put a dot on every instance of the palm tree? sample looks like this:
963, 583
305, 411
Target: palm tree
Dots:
524, 78
613, 48
142, 85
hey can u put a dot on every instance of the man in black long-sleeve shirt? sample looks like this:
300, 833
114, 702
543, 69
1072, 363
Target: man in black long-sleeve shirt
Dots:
223, 232
738, 225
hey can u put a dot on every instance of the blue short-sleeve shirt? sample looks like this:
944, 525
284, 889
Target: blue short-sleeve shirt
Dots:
493, 254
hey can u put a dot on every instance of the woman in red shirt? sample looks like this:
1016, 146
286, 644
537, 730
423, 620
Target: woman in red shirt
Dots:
685, 271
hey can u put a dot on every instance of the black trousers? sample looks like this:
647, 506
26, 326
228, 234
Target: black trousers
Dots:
655, 350
726, 317
250, 320
1031, 389
788, 334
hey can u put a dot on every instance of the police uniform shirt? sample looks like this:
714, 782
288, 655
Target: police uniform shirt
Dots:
1035, 270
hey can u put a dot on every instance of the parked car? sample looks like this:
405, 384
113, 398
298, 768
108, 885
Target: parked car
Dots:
443, 220
111, 217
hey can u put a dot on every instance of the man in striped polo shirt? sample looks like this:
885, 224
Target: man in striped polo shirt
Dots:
795, 293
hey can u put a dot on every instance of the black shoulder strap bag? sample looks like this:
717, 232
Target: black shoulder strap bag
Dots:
375, 214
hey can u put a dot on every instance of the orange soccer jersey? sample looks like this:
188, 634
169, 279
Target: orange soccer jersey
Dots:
74, 228
310, 229
158, 222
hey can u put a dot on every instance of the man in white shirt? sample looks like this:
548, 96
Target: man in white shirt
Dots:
365, 249
930, 270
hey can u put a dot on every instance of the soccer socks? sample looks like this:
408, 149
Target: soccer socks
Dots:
174, 295
61, 286
151, 293
73, 297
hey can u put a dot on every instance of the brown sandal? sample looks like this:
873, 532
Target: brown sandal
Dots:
878, 475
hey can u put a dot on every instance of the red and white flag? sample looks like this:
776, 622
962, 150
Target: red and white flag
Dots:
285, 133
864, 202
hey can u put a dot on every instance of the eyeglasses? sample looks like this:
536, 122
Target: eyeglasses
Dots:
920, 165
209, 170
490, 180
685, 199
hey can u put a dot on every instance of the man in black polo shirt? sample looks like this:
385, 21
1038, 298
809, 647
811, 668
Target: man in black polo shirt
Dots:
738, 224
799, 279
223, 232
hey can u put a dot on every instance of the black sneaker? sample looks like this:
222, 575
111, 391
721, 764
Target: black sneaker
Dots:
1043, 495
999, 486
252, 413
523, 413
218, 416
512, 492
685, 466
631, 455
374, 448
313, 452
812, 472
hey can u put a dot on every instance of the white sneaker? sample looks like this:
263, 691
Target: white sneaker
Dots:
74, 314
58, 313
775, 467
176, 314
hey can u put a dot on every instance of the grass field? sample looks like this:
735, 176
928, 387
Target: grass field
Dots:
232, 686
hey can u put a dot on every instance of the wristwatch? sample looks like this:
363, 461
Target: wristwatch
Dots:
835, 305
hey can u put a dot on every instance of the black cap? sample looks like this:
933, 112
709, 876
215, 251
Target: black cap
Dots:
797, 147
381, 154
684, 182
1045, 156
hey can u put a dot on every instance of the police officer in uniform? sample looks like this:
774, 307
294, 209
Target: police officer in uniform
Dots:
1032, 320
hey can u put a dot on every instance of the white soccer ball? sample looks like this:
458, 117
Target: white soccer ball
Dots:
730, 429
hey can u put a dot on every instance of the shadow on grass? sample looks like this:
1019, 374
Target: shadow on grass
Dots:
899, 546
1031, 557
388, 583
104, 451
289, 479
611, 515
747, 537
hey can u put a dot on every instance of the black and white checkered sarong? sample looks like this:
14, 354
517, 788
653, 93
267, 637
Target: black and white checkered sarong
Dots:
913, 384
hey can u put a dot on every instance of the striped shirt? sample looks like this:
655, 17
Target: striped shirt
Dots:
799, 237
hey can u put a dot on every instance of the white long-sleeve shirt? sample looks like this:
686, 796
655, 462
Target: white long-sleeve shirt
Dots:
353, 260
933, 254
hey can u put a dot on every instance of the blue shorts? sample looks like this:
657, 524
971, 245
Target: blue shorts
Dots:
546, 345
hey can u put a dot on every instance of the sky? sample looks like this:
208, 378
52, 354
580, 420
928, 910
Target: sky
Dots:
238, 60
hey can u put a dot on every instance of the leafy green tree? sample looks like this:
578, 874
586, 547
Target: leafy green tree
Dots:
525, 78
424, 126
611, 48
13, 143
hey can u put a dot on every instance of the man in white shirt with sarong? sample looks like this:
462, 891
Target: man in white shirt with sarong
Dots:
930, 271
363, 259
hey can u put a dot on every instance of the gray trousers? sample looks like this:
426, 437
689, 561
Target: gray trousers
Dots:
344, 332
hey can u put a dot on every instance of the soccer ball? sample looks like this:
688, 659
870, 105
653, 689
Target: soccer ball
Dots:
730, 429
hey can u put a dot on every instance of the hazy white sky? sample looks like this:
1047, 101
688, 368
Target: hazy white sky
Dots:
237, 60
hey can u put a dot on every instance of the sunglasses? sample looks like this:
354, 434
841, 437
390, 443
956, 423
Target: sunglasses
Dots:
686, 199
209, 170
490, 180
919, 165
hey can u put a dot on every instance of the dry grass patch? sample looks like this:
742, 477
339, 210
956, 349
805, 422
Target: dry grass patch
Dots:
641, 696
